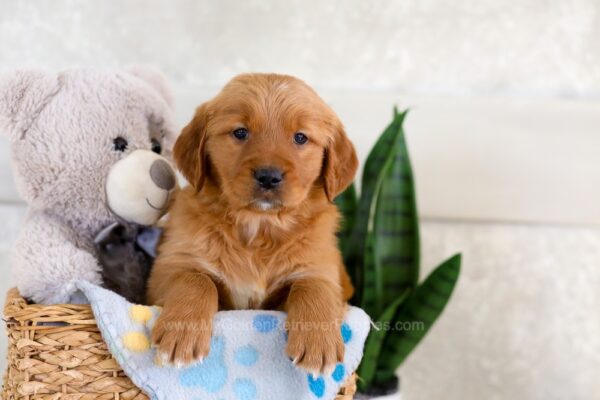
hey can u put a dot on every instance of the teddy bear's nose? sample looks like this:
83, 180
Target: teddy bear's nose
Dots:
162, 175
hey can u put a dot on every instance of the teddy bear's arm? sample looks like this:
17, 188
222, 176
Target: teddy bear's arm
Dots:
48, 259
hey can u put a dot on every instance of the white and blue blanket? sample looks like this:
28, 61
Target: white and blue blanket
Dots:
247, 360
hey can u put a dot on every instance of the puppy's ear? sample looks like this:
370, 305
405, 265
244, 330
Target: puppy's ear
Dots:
23, 95
340, 163
189, 150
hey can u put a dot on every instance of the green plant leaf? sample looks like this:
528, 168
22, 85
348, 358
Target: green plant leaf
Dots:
373, 170
368, 365
346, 203
421, 309
396, 228
370, 282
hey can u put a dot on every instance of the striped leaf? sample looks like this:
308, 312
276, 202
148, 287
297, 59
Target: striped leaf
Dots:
420, 311
370, 293
372, 174
396, 228
368, 365
346, 203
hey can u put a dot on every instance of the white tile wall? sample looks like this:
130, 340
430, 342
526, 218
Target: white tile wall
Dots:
526, 46
524, 321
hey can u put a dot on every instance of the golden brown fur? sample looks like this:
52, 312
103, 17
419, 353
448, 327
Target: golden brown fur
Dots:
229, 245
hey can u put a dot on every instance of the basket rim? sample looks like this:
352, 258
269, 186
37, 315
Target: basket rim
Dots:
17, 310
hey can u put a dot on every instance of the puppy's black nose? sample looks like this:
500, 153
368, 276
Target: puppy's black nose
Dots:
268, 178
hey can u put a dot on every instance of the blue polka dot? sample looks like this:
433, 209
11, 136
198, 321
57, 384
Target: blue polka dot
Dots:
244, 389
346, 332
246, 355
317, 386
338, 373
211, 374
265, 323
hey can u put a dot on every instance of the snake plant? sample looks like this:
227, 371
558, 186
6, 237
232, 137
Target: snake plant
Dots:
379, 239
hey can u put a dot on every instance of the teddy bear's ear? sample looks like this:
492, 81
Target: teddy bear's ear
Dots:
23, 95
155, 78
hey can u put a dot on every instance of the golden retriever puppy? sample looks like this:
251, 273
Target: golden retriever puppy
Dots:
256, 227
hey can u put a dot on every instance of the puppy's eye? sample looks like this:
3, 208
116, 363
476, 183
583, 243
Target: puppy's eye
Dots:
240, 133
156, 146
120, 144
300, 138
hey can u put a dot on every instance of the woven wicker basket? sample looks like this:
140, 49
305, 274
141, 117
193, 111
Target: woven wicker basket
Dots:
68, 362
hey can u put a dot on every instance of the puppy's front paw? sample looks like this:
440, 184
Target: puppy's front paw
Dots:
315, 347
181, 340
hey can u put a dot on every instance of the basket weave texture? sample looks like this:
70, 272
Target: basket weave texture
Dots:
50, 360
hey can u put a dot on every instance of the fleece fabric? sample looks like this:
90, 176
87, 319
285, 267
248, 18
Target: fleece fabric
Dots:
62, 129
247, 360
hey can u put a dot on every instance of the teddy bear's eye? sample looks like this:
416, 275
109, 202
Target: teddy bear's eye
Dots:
120, 144
156, 146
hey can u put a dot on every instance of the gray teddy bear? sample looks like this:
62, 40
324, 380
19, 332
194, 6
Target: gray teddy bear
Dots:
86, 147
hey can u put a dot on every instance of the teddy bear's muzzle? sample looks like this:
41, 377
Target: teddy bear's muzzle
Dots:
139, 186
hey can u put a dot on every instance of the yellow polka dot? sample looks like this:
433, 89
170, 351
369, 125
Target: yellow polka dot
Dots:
140, 314
136, 341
